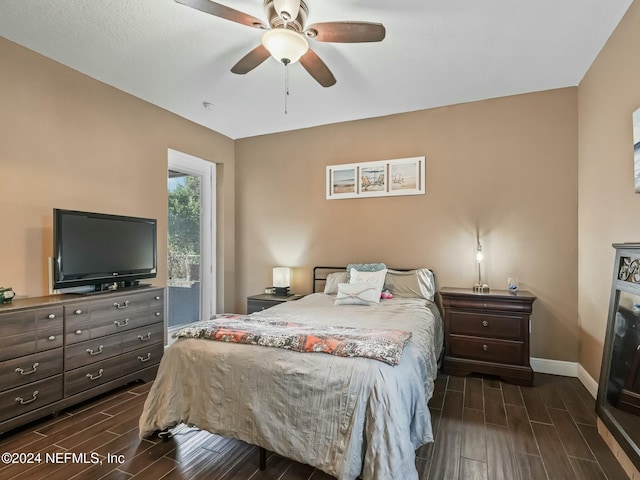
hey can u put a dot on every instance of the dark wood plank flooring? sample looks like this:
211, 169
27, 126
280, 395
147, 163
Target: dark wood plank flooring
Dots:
485, 429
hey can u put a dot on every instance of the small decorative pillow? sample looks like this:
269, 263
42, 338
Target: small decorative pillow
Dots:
357, 294
376, 279
333, 279
364, 267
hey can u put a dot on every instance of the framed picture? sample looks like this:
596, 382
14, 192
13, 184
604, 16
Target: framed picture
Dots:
636, 148
402, 176
342, 181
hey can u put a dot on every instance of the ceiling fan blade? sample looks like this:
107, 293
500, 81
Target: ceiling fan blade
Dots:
225, 12
289, 7
317, 69
346, 32
251, 60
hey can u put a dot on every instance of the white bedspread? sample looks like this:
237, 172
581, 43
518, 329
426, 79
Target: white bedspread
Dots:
314, 408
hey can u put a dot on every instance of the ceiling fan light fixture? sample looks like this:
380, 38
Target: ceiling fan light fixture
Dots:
285, 45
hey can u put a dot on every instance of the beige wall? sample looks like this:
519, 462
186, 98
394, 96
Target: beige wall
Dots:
68, 141
608, 207
507, 167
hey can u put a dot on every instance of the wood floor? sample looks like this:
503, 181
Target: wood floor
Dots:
485, 429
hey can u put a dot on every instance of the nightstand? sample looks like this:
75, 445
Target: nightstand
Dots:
487, 333
256, 303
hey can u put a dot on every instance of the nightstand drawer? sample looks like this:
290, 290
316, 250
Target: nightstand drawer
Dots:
486, 325
480, 302
498, 351
259, 305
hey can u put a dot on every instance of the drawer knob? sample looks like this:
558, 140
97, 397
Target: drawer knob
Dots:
51, 316
145, 359
484, 305
122, 305
117, 323
485, 323
157, 314
146, 337
157, 297
22, 371
95, 377
22, 401
95, 352
78, 312
485, 347
51, 338
78, 332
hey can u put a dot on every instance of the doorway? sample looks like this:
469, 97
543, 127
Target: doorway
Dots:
191, 240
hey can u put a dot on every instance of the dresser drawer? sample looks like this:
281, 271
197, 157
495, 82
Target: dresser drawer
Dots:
141, 358
489, 325
487, 350
93, 375
141, 337
91, 351
34, 395
30, 368
482, 302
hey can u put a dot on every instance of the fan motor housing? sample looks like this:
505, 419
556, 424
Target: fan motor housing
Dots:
275, 21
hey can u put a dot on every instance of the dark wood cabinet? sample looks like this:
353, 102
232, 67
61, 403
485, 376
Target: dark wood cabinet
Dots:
487, 333
256, 303
60, 350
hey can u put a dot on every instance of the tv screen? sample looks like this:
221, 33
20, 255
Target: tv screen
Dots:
97, 248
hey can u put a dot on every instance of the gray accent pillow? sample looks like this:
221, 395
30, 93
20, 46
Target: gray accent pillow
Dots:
364, 267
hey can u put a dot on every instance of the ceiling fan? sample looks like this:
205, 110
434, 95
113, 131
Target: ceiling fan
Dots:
286, 35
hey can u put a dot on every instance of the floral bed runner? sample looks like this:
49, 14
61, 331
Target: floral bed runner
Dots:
385, 345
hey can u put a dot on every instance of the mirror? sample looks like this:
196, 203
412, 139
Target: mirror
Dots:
618, 403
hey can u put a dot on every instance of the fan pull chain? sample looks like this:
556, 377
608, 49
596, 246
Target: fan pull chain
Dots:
286, 86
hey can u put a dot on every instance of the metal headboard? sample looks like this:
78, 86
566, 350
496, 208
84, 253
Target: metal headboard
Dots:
320, 275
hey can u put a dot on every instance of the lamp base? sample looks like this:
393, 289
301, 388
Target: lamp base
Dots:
281, 291
484, 288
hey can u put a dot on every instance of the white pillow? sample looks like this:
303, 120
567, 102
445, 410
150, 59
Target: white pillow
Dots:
333, 279
375, 279
357, 294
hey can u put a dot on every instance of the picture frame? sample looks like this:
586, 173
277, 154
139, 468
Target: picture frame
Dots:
396, 177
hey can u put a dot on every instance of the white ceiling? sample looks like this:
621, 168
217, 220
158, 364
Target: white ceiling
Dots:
436, 52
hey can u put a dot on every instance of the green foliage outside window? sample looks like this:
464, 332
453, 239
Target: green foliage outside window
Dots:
184, 228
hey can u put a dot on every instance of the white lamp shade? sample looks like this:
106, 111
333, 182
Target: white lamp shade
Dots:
284, 45
281, 277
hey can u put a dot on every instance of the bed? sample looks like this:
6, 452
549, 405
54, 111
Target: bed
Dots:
348, 416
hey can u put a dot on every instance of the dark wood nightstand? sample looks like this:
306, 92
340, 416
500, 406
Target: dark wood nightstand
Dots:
256, 303
487, 333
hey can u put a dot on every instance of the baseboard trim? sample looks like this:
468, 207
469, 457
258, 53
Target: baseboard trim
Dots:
566, 369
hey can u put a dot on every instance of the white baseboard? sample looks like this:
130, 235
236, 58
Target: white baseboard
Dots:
566, 369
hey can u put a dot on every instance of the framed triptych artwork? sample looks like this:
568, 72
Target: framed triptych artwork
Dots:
402, 176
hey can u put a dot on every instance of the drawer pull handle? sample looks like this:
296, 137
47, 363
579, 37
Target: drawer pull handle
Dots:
145, 359
485, 347
157, 314
146, 337
97, 352
78, 312
122, 305
485, 323
117, 323
78, 332
51, 316
51, 338
484, 305
157, 297
22, 401
22, 371
91, 377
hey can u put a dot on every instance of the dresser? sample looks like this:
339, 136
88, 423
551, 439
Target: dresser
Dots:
59, 350
257, 303
487, 333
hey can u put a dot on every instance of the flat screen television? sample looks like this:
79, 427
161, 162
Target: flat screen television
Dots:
97, 249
